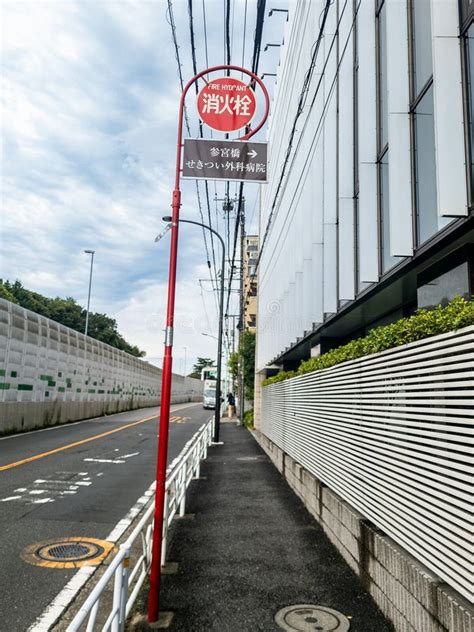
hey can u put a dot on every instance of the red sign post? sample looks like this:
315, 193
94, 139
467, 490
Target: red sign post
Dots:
239, 117
226, 104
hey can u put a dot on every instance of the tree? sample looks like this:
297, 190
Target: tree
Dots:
247, 354
68, 312
201, 363
6, 294
244, 357
233, 364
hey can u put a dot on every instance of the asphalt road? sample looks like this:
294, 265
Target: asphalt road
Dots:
74, 480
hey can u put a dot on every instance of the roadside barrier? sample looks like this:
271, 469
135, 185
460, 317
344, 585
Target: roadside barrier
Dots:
391, 434
128, 581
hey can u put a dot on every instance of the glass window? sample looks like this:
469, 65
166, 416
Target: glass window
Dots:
442, 289
426, 197
382, 69
470, 89
387, 260
422, 55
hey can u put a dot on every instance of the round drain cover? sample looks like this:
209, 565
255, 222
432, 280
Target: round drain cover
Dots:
310, 618
67, 552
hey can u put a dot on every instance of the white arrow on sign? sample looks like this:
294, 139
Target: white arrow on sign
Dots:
252, 153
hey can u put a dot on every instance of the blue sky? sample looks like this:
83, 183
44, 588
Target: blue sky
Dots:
88, 128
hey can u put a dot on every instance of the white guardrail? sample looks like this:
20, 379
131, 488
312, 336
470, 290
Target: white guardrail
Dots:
392, 434
127, 580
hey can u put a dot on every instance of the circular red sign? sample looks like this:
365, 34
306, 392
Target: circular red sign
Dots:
226, 104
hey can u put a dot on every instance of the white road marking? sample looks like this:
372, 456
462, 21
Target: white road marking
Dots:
55, 609
127, 456
64, 598
65, 484
43, 481
104, 461
123, 524
62, 601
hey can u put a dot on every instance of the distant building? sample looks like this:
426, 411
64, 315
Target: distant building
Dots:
372, 217
250, 282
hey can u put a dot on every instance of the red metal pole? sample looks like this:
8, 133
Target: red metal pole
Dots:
155, 570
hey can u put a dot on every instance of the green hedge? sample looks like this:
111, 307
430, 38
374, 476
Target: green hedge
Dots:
248, 418
423, 324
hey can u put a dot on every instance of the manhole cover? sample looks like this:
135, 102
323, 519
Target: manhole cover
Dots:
67, 552
310, 618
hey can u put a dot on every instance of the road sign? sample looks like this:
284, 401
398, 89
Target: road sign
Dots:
224, 160
226, 104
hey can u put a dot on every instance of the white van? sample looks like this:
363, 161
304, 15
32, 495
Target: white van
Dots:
209, 394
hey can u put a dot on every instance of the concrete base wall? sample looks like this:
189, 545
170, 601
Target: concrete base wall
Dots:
20, 416
407, 593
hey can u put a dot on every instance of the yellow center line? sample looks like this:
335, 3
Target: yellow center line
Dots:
75, 444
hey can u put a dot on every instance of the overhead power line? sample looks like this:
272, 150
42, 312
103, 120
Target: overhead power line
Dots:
227, 33
171, 22
206, 186
259, 21
257, 40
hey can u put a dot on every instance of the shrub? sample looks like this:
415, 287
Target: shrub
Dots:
248, 418
423, 324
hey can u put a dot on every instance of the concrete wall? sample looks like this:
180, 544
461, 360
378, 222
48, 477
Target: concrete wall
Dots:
410, 595
52, 374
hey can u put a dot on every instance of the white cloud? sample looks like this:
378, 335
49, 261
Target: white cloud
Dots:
89, 109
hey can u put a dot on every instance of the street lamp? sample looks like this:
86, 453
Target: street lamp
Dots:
89, 252
210, 336
185, 358
217, 417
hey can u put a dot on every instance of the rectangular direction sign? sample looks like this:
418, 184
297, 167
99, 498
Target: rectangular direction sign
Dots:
224, 160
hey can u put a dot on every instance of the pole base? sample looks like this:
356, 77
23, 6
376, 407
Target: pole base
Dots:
216, 443
139, 623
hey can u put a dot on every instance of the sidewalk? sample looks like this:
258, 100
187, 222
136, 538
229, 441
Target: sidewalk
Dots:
252, 549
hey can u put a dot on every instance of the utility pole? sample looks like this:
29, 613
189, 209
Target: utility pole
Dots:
233, 316
241, 314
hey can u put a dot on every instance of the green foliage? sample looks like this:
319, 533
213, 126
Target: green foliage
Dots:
248, 418
233, 364
6, 294
69, 313
201, 363
247, 353
423, 324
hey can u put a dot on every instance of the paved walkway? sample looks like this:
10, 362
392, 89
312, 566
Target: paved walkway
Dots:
253, 549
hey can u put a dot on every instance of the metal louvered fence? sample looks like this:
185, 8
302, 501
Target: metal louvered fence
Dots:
393, 435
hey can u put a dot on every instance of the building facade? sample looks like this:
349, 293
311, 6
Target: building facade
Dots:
367, 214
250, 282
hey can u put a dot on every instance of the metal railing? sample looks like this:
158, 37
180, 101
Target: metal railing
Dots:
127, 581
392, 434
